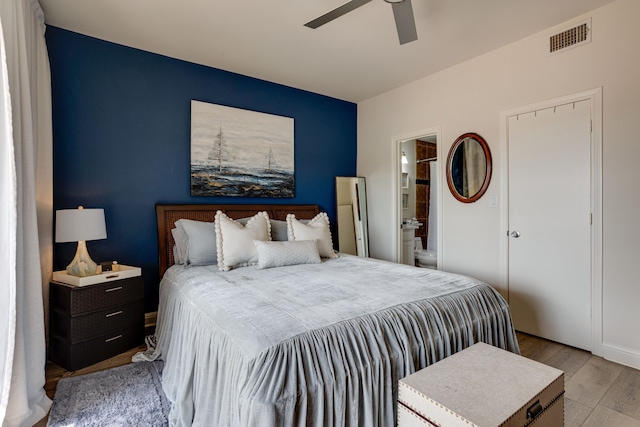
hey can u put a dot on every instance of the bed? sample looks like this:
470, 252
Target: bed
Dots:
317, 344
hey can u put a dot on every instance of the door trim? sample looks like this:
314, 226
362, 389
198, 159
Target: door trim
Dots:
595, 97
396, 188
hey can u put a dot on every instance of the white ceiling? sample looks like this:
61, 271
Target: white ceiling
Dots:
354, 57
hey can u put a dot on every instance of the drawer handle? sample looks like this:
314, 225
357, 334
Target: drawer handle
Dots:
114, 289
112, 276
113, 339
114, 314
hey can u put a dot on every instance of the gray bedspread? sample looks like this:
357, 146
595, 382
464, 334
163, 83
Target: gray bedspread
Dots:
313, 345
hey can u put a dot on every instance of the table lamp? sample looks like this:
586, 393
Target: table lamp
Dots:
80, 225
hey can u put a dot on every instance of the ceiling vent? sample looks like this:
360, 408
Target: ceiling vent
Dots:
575, 36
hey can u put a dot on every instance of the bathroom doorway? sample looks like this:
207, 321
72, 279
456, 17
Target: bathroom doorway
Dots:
418, 207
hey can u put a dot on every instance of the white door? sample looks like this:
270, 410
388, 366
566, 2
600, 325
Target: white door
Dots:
550, 223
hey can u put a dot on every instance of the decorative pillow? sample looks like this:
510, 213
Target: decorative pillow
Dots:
198, 240
235, 241
316, 229
279, 230
279, 254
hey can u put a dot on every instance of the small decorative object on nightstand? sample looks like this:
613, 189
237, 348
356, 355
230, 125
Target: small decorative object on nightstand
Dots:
95, 321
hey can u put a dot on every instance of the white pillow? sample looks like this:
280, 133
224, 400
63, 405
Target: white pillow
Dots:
279, 254
199, 240
316, 229
279, 230
235, 241
180, 246
176, 256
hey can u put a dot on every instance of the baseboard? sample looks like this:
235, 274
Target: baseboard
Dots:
624, 356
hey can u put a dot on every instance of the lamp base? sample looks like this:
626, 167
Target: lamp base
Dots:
82, 265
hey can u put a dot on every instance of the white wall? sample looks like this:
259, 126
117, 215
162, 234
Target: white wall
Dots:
469, 98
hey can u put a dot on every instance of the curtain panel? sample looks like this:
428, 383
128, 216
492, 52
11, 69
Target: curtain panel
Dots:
25, 211
7, 235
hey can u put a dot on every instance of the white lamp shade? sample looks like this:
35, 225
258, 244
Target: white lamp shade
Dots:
74, 225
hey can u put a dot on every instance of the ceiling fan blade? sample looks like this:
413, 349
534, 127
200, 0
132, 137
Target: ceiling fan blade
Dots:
405, 23
336, 13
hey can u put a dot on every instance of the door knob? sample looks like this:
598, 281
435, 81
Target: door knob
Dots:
515, 234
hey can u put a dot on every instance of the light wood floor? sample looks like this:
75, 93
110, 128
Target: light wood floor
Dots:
598, 393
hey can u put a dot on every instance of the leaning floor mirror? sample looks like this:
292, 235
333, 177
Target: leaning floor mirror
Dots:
351, 200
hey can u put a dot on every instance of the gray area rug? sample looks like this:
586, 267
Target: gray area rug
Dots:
129, 395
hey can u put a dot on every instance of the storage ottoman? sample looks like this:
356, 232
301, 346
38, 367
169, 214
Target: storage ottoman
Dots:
482, 386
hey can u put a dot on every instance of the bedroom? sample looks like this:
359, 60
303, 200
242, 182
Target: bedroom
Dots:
449, 98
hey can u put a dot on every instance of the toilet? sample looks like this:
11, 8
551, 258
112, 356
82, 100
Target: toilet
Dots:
425, 258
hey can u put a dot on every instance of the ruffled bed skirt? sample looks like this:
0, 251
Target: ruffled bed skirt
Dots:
342, 375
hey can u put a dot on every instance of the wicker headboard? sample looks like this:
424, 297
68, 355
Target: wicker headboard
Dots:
167, 215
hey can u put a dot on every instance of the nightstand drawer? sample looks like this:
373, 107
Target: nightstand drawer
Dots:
78, 300
86, 353
78, 328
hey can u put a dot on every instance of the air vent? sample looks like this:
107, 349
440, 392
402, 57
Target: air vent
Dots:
572, 37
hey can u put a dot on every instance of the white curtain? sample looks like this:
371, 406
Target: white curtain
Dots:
7, 235
25, 211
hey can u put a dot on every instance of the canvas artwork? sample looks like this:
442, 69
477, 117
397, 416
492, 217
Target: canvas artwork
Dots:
242, 153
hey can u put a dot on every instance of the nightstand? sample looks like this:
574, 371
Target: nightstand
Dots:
92, 323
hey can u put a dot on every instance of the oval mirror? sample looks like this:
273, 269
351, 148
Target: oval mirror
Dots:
469, 167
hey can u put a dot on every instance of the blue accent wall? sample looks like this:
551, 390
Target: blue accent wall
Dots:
121, 140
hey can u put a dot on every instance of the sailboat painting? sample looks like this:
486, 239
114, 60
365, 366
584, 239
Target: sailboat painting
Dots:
241, 153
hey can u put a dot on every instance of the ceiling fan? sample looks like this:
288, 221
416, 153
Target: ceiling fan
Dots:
402, 12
